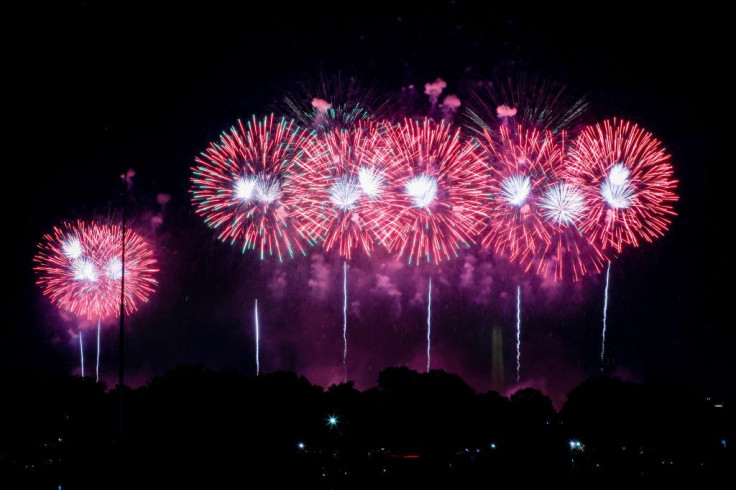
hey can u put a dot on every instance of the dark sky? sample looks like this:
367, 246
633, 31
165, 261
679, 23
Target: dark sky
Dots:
97, 89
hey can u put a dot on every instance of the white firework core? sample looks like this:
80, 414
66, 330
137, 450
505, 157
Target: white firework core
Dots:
515, 189
616, 189
563, 204
345, 192
261, 188
84, 270
244, 188
267, 189
371, 182
422, 189
114, 269
72, 248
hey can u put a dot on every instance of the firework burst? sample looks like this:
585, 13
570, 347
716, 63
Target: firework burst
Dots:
242, 185
628, 182
438, 191
79, 268
341, 189
521, 164
524, 99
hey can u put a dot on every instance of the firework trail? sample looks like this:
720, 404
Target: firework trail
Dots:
429, 324
241, 186
627, 179
81, 352
605, 317
438, 191
258, 341
97, 367
518, 334
345, 318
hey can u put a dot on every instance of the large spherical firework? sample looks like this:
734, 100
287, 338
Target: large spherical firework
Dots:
242, 184
438, 190
627, 179
79, 268
521, 164
341, 189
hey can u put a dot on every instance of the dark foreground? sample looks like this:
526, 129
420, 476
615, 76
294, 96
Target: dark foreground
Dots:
194, 428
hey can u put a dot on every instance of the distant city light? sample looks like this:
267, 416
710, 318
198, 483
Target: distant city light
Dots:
493, 445
332, 420
301, 446
575, 444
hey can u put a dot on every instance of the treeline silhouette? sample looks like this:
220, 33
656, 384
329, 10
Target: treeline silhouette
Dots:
197, 428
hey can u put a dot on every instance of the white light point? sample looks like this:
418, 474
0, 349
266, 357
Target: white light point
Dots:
371, 182
344, 193
422, 189
563, 204
616, 189
516, 189
72, 248
84, 270
114, 269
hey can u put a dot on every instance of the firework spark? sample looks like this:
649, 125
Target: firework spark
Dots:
241, 186
628, 181
438, 191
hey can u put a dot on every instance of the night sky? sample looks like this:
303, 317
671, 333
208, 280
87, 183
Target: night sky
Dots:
95, 90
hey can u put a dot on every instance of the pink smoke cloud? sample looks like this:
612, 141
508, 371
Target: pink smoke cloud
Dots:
505, 111
434, 89
321, 104
319, 282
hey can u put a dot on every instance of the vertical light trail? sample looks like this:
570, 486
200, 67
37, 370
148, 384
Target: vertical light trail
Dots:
258, 341
518, 334
81, 352
345, 318
97, 368
605, 316
429, 323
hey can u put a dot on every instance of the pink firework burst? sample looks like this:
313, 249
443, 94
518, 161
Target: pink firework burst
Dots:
568, 255
342, 187
79, 268
438, 190
242, 184
628, 181
521, 163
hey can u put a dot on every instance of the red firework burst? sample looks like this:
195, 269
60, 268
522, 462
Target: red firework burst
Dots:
522, 163
242, 183
627, 179
438, 190
79, 268
341, 189
569, 254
